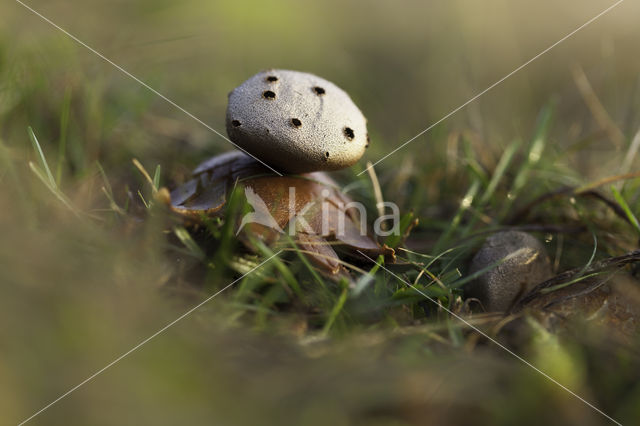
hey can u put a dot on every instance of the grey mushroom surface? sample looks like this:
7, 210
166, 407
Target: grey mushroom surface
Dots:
296, 122
526, 266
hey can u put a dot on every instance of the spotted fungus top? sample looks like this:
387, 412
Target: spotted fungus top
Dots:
296, 122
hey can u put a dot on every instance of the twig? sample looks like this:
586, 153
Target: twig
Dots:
599, 266
568, 191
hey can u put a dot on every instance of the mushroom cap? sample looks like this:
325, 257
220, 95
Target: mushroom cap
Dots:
500, 287
296, 122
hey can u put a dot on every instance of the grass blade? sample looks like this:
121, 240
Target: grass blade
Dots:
337, 308
465, 203
627, 210
306, 263
536, 148
185, 238
41, 158
501, 168
284, 270
156, 178
364, 281
145, 174
54, 189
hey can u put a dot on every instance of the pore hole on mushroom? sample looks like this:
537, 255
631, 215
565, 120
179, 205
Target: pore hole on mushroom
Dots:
326, 154
348, 133
236, 123
268, 94
319, 90
272, 78
296, 122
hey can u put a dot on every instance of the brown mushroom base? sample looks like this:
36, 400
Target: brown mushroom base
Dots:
308, 207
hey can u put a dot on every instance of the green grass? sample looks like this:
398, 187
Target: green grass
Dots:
92, 262
289, 290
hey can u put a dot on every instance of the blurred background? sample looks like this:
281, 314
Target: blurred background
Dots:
75, 295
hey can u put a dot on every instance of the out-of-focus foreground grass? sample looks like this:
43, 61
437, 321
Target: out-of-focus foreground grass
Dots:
81, 285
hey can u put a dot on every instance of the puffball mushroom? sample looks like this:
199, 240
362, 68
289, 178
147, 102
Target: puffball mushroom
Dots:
299, 124
296, 122
525, 264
